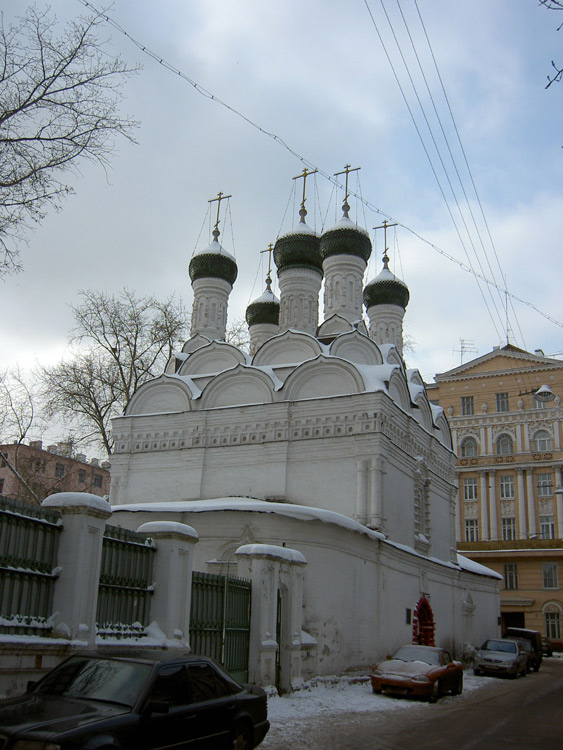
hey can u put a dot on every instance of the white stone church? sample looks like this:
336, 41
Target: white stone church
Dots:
314, 465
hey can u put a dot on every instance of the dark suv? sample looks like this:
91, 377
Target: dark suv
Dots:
535, 639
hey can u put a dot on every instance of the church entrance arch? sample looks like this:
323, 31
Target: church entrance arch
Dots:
423, 626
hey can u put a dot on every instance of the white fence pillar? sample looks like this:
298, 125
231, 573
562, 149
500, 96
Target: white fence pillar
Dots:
272, 571
172, 571
79, 559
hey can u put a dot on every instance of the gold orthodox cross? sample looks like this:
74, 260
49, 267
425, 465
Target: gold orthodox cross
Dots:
385, 226
220, 197
306, 172
346, 171
269, 250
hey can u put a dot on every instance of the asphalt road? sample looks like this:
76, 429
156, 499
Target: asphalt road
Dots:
522, 714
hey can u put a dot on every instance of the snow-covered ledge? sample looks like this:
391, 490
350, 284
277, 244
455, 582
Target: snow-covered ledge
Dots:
274, 569
79, 559
171, 601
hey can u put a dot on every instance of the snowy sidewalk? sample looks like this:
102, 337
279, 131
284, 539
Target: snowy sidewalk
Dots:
328, 697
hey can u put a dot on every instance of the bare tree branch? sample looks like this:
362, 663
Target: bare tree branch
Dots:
59, 105
120, 342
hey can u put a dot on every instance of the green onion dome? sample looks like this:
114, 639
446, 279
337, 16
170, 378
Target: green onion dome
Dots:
264, 309
346, 238
299, 249
386, 289
213, 262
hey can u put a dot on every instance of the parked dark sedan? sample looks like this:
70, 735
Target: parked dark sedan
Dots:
135, 703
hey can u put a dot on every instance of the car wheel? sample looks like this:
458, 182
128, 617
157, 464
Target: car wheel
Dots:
436, 692
537, 668
458, 688
242, 737
524, 671
376, 690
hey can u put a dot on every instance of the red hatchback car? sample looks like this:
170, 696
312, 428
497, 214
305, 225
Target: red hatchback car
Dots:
419, 671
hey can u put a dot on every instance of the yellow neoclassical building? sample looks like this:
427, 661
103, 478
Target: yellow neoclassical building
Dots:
505, 414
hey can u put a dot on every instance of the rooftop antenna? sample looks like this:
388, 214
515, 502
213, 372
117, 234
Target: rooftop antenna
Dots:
386, 225
346, 171
465, 346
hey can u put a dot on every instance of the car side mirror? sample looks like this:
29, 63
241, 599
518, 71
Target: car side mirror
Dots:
157, 707
389, 656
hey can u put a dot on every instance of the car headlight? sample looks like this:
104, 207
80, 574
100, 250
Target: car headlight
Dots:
421, 678
35, 745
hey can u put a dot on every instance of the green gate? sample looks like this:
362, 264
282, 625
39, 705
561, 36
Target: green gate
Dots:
220, 620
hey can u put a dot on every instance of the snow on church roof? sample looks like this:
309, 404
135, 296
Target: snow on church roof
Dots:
298, 512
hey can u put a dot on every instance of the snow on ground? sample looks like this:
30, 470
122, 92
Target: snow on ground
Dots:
329, 696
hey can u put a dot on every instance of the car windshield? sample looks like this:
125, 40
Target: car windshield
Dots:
506, 646
97, 679
418, 653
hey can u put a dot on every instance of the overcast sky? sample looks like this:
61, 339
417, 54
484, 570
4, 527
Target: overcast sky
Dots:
315, 74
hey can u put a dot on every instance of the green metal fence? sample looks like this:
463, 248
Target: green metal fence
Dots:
220, 620
29, 537
125, 589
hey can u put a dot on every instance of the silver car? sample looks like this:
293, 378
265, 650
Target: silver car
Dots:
501, 656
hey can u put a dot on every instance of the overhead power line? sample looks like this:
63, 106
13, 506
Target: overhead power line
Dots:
479, 275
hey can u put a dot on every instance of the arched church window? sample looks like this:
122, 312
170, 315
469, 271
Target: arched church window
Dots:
541, 441
504, 445
469, 448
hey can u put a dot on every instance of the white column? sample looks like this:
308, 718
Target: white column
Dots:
532, 526
172, 571
522, 518
79, 559
361, 491
493, 506
484, 533
376, 500
269, 568
559, 501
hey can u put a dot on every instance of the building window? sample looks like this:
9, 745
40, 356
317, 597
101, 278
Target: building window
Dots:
502, 401
59, 471
508, 529
82, 476
541, 441
470, 488
98, 480
536, 404
552, 626
549, 570
547, 527
511, 576
504, 446
471, 530
545, 487
507, 487
467, 406
469, 448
